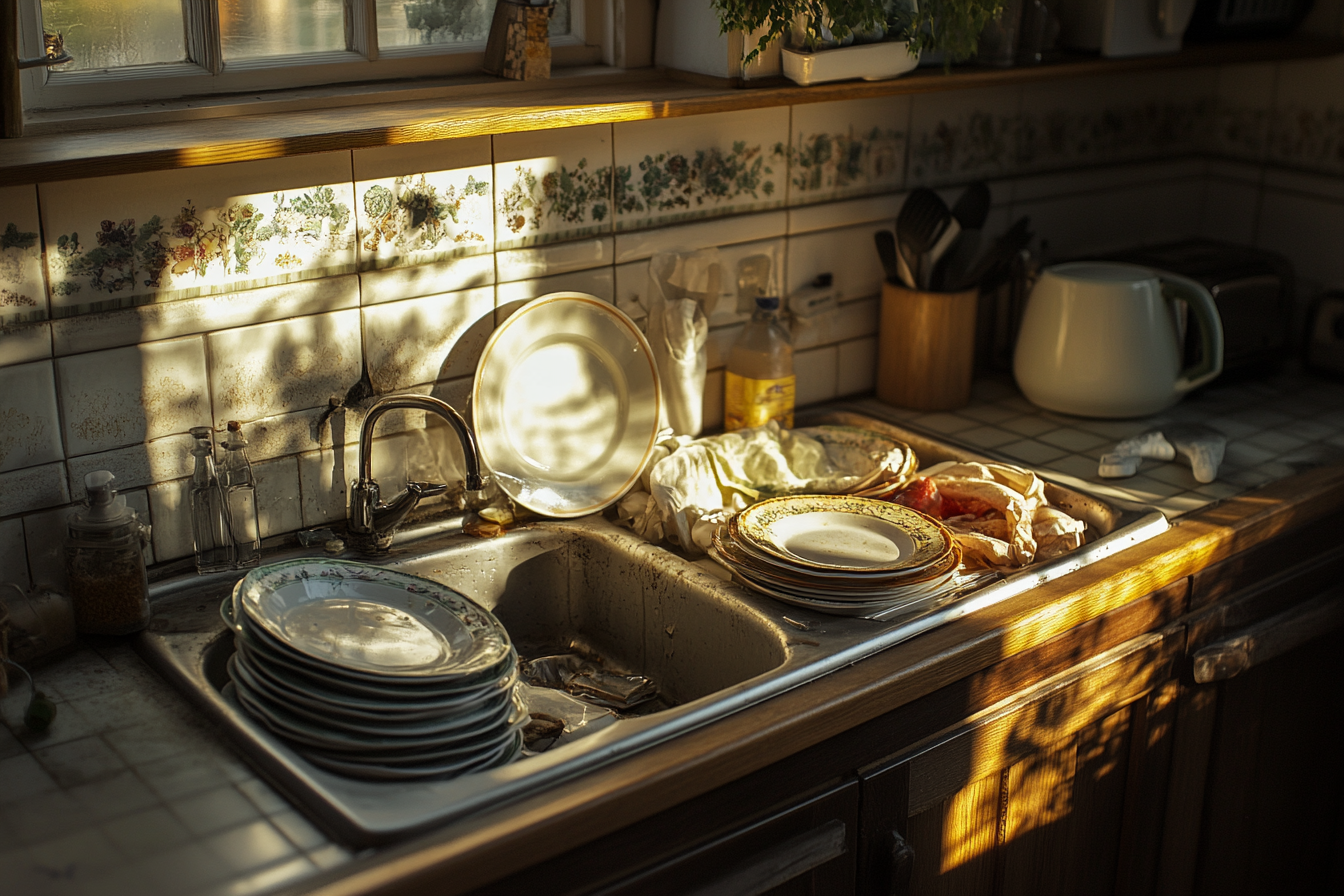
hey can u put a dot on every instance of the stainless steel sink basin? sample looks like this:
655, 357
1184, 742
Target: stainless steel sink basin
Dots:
711, 647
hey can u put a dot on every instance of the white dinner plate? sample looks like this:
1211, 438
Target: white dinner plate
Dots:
566, 404
372, 620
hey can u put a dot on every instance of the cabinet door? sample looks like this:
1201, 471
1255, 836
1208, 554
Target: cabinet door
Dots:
804, 850
1057, 789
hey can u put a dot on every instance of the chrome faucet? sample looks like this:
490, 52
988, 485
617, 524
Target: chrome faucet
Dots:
372, 522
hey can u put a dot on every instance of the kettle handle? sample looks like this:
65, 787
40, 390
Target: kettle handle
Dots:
1205, 313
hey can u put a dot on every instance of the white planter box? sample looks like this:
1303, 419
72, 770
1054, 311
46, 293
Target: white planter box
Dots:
871, 62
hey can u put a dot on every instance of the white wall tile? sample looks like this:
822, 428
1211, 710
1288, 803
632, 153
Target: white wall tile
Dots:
286, 434
857, 371
1310, 232
1245, 110
816, 371
279, 508
426, 279
146, 323
325, 477
850, 321
210, 229
552, 185
557, 258
138, 500
829, 215
123, 396
157, 460
509, 297
45, 534
700, 235
713, 407
1309, 97
424, 340
30, 427
424, 202
849, 255
33, 488
23, 289
1230, 210
170, 506
13, 556
1115, 219
26, 342
681, 169
1306, 183
286, 366
847, 148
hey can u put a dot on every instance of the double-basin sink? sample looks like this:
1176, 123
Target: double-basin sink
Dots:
711, 647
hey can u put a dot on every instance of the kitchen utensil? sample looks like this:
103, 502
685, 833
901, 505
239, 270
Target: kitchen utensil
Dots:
994, 266
970, 211
926, 348
1100, 339
566, 404
921, 221
889, 255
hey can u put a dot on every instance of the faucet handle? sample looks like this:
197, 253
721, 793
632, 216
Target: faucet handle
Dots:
425, 489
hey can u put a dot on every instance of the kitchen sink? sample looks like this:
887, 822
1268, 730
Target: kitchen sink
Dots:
587, 586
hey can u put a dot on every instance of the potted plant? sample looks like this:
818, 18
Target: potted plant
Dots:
827, 40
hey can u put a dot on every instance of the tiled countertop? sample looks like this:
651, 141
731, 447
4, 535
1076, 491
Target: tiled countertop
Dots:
1275, 428
129, 792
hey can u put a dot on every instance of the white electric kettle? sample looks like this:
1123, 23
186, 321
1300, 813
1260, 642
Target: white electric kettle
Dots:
1102, 339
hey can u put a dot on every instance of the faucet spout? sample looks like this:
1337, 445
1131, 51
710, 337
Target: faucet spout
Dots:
372, 523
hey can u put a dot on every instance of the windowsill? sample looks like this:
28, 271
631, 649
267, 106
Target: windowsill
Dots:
210, 132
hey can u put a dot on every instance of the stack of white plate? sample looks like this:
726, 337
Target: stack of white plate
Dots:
840, 554
373, 673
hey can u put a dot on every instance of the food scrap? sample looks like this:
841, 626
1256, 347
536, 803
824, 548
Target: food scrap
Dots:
998, 513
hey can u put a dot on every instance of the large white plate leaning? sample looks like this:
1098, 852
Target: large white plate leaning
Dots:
566, 404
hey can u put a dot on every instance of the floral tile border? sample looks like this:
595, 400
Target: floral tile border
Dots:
670, 170
552, 185
848, 148
181, 234
23, 295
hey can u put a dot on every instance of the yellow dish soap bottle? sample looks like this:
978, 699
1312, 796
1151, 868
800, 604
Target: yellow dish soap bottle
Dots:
759, 382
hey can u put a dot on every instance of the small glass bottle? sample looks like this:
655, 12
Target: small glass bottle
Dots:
209, 511
240, 495
759, 382
105, 562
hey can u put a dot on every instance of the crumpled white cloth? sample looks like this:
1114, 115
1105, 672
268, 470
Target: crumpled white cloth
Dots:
683, 289
697, 485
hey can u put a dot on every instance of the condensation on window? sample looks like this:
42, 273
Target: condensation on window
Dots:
419, 23
251, 29
113, 33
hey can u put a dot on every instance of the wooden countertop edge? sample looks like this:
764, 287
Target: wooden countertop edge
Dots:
475, 851
567, 101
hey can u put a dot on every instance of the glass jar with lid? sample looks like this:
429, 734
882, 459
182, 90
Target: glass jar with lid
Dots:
103, 557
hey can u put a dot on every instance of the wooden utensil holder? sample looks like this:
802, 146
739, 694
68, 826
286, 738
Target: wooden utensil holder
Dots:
519, 44
926, 348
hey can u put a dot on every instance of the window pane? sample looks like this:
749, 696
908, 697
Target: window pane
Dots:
252, 28
109, 33
417, 23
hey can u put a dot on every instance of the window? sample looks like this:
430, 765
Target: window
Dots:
138, 50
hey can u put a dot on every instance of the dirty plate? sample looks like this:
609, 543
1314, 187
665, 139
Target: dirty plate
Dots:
841, 532
566, 404
373, 620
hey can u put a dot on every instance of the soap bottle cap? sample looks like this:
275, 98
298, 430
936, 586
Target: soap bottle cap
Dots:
106, 515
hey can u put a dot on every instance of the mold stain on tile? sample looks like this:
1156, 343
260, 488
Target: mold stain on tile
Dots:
18, 250
20, 432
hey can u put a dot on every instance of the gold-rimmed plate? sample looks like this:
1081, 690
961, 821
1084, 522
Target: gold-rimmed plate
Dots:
844, 533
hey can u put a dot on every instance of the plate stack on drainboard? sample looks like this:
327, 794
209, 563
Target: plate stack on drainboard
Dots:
840, 554
373, 673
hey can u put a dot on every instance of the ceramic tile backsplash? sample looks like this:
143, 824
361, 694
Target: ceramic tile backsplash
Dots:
284, 366
125, 396
114, 242
848, 148
552, 185
29, 422
680, 169
231, 292
424, 202
421, 341
13, 554
23, 293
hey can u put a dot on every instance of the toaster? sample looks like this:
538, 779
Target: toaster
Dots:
1253, 290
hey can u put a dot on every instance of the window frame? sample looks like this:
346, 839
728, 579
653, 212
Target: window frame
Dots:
52, 91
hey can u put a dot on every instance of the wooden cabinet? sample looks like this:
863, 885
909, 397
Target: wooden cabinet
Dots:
1055, 789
